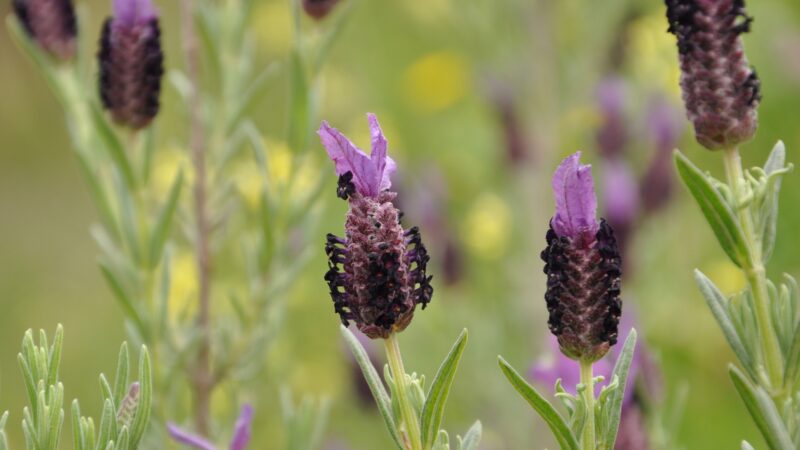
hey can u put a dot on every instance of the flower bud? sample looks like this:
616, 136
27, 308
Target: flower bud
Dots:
377, 273
131, 63
582, 263
51, 23
318, 9
720, 90
128, 406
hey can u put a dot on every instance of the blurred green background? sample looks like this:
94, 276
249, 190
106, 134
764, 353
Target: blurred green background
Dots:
433, 71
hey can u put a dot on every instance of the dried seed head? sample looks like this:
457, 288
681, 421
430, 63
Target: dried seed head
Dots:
51, 23
582, 263
319, 9
377, 273
720, 89
131, 63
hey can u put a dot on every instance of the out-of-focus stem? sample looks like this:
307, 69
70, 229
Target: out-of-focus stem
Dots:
588, 439
756, 274
202, 379
409, 417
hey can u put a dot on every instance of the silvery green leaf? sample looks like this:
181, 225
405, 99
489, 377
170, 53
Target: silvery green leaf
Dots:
442, 441
613, 408
163, 223
433, 411
54, 360
471, 440
719, 308
746, 446
121, 378
790, 379
43, 61
108, 425
557, 425
142, 415
299, 103
78, 436
114, 146
716, 210
130, 308
775, 165
762, 410
375, 384
3, 441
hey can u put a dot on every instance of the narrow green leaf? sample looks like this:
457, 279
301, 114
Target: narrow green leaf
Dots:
122, 375
433, 409
114, 146
471, 440
108, 393
375, 384
108, 425
54, 362
746, 446
130, 309
142, 415
718, 305
762, 410
716, 211
3, 441
557, 424
299, 103
78, 439
775, 162
614, 405
793, 362
163, 224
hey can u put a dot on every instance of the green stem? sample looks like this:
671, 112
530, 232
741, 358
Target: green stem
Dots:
408, 415
755, 273
588, 439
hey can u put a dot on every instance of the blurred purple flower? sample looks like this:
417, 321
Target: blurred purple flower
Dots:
51, 23
665, 126
612, 135
130, 13
319, 9
621, 200
576, 202
370, 174
665, 123
241, 434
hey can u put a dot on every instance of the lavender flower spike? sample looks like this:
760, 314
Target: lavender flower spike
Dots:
51, 23
241, 434
720, 90
377, 273
131, 63
582, 263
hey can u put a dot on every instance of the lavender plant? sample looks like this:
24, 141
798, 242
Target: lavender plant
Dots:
762, 322
126, 405
244, 243
377, 277
582, 263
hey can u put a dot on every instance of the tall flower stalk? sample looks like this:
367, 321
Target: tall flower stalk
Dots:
761, 323
377, 277
582, 264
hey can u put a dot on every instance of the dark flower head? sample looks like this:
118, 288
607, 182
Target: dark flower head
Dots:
582, 263
131, 63
377, 272
720, 90
318, 9
51, 23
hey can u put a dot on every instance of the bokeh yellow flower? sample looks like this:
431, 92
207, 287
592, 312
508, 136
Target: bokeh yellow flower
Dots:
428, 11
436, 81
183, 288
653, 59
726, 276
487, 227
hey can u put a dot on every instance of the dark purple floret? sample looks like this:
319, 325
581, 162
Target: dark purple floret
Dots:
720, 89
51, 23
318, 9
131, 64
377, 273
583, 291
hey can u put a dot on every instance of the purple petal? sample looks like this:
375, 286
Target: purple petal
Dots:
371, 174
242, 432
576, 203
189, 439
384, 165
620, 194
133, 12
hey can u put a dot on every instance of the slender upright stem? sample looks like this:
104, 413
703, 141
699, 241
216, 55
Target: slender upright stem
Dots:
409, 418
588, 439
756, 274
202, 379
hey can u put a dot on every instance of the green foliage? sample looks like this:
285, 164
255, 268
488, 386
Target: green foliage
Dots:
305, 422
126, 408
607, 409
428, 408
